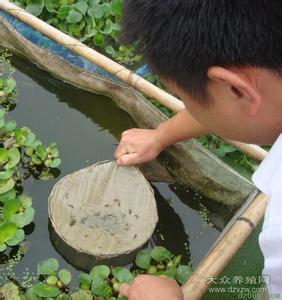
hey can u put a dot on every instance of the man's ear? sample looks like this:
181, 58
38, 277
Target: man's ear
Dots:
241, 86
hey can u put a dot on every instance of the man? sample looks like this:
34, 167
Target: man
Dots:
223, 58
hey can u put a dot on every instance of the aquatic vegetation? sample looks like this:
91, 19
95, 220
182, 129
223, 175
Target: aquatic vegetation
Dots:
229, 155
8, 92
7, 88
21, 155
23, 151
16, 213
94, 22
103, 282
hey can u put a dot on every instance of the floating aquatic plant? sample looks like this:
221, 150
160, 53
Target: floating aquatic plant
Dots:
16, 213
8, 90
22, 150
94, 22
102, 282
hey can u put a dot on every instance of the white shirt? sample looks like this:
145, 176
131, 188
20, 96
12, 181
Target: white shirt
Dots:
268, 178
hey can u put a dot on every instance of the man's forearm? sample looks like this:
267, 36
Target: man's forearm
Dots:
179, 128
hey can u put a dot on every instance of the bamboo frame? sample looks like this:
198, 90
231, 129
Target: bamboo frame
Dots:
225, 249
114, 68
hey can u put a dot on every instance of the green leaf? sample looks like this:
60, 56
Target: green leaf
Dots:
29, 151
36, 160
28, 216
99, 39
3, 156
10, 86
74, 16
35, 144
173, 263
81, 7
11, 195
82, 295
14, 212
228, 148
117, 7
63, 11
143, 259
96, 12
18, 238
29, 295
84, 281
10, 291
89, 34
160, 254
109, 27
43, 290
218, 152
29, 140
65, 276
106, 7
183, 273
11, 208
52, 280
41, 152
53, 150
6, 174
2, 113
7, 231
169, 272
110, 50
63, 297
35, 7
93, 3
11, 125
53, 163
25, 201
47, 266
6, 185
3, 247
14, 158
102, 290
51, 5
101, 271
122, 275
19, 135
2, 123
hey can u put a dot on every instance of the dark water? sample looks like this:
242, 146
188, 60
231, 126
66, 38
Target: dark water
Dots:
87, 128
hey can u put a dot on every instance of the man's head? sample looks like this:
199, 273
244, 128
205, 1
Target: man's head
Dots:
223, 58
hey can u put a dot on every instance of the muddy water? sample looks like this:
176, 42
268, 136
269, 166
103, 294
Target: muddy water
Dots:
87, 128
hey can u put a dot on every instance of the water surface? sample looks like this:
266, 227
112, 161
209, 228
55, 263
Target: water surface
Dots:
87, 128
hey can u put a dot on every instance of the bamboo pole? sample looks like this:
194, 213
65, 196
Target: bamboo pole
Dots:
114, 68
253, 151
213, 265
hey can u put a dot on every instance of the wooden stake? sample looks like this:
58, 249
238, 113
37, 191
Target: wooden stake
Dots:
213, 265
114, 68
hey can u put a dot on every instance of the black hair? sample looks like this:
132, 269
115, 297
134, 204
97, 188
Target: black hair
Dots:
182, 39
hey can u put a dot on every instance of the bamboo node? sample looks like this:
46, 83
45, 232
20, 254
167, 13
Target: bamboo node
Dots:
247, 220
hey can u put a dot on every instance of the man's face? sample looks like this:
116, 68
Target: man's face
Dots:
226, 114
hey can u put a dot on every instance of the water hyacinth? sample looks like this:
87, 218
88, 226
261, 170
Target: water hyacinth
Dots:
103, 282
94, 22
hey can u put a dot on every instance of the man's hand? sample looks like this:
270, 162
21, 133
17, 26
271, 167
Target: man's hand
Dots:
138, 146
147, 287
141, 145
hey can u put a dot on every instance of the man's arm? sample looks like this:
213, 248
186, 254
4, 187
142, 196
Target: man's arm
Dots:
141, 145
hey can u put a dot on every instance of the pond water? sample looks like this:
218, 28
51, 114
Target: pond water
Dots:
87, 128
